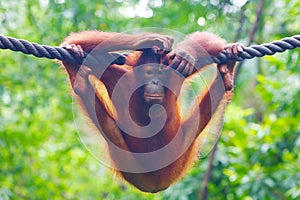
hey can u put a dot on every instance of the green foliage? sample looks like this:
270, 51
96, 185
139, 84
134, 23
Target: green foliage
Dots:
42, 157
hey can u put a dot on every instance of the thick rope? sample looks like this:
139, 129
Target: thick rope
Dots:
62, 54
36, 49
262, 50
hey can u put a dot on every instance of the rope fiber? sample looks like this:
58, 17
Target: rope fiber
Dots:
59, 53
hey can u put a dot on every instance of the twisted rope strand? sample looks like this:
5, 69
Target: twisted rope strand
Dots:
62, 54
262, 50
36, 49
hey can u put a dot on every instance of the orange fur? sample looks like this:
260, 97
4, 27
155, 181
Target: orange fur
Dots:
105, 117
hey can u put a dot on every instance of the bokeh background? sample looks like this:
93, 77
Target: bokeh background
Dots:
258, 154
